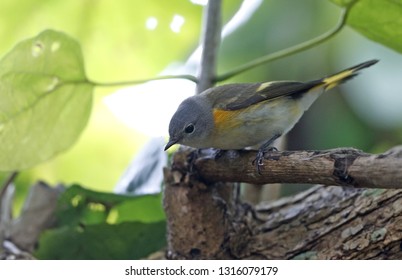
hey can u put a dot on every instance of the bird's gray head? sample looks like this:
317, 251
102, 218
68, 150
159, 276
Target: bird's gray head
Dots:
191, 124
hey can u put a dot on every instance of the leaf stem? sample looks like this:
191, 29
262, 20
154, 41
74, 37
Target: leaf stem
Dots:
289, 51
134, 82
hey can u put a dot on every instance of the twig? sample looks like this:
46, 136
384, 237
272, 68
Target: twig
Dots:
134, 82
289, 51
8, 181
6, 203
210, 44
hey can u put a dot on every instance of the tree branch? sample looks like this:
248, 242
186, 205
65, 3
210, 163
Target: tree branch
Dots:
343, 167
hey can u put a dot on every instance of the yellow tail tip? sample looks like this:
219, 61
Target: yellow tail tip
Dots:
341, 77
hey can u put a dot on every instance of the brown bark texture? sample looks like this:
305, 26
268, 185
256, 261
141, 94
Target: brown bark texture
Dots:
206, 221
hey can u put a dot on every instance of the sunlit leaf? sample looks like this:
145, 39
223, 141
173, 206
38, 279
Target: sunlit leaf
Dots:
45, 99
378, 20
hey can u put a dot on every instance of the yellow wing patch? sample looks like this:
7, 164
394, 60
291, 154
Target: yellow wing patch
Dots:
263, 86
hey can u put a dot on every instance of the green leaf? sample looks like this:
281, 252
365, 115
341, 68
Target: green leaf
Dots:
378, 20
146, 208
45, 99
131, 240
97, 225
78, 205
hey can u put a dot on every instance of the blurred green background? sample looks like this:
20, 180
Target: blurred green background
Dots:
133, 39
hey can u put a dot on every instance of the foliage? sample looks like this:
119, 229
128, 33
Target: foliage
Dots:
95, 225
45, 99
378, 20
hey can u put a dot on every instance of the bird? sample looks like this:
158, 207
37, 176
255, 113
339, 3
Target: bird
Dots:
241, 115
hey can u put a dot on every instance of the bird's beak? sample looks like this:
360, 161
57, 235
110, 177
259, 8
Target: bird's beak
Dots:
170, 143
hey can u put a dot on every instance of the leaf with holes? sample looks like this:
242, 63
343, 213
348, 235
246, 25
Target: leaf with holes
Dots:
45, 99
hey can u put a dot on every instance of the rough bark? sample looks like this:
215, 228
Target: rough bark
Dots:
321, 223
327, 223
191, 203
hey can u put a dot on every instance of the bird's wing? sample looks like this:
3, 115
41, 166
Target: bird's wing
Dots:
239, 96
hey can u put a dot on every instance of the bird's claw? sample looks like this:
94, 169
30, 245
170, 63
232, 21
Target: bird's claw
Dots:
259, 159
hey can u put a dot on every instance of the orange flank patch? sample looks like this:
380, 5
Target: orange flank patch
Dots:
225, 119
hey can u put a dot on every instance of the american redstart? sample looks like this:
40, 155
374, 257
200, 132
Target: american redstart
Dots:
236, 116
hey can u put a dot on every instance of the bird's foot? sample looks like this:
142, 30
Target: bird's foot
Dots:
259, 159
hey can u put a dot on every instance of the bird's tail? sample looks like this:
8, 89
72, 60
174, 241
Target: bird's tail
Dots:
347, 74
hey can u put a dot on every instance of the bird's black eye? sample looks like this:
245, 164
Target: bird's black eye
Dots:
189, 129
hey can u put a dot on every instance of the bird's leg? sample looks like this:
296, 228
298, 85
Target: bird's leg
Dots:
219, 153
263, 149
